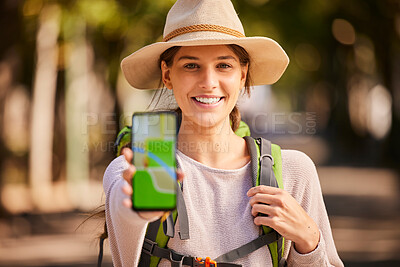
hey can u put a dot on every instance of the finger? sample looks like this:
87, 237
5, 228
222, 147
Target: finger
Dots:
150, 215
128, 154
127, 203
180, 175
262, 208
262, 189
128, 174
263, 199
264, 220
127, 190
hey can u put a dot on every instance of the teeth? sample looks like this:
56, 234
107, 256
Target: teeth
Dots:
208, 100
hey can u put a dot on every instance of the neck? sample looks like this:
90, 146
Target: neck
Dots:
212, 146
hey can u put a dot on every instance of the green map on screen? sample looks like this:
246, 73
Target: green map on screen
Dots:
154, 141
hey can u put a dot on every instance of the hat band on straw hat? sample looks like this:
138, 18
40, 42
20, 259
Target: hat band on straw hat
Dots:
204, 22
202, 27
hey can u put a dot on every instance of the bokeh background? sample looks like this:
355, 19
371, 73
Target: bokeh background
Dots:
63, 99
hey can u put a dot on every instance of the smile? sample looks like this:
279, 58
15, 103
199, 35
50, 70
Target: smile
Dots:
208, 100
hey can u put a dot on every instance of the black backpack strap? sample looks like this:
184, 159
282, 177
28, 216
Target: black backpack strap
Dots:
169, 224
264, 164
267, 176
148, 243
178, 259
251, 145
183, 216
265, 161
248, 248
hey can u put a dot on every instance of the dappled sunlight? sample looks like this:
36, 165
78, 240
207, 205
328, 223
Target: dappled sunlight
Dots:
380, 117
343, 31
63, 99
370, 108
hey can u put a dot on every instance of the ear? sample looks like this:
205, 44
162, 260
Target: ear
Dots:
243, 77
165, 74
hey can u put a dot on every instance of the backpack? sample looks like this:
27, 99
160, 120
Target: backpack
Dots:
266, 164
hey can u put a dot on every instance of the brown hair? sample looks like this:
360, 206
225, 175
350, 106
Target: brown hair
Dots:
244, 58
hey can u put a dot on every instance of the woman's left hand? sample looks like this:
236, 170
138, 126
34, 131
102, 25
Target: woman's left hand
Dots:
285, 215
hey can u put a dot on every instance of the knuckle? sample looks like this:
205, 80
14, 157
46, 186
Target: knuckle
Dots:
263, 187
273, 222
257, 207
253, 212
277, 213
279, 202
254, 199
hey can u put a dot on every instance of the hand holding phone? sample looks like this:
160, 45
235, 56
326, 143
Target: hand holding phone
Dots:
154, 145
127, 189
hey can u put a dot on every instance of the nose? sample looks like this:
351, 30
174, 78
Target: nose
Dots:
209, 78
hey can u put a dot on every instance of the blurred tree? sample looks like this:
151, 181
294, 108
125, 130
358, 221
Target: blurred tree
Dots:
330, 43
43, 105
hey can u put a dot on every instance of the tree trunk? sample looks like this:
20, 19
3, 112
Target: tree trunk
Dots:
44, 90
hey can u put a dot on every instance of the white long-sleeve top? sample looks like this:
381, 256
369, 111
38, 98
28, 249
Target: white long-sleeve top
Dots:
219, 213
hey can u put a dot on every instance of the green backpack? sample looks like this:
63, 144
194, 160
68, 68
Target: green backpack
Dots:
266, 164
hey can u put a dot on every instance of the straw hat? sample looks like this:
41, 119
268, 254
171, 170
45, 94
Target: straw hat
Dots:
205, 22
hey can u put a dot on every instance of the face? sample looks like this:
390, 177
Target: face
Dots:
206, 81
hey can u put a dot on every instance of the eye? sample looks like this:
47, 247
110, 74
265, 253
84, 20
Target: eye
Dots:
224, 66
191, 66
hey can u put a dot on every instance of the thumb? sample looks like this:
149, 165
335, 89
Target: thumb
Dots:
180, 175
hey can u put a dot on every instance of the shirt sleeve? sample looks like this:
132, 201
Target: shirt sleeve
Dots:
301, 180
126, 229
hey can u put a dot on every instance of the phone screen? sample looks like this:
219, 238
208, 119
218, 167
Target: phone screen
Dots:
153, 145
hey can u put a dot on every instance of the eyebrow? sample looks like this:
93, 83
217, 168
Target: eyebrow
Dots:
226, 57
188, 57
196, 58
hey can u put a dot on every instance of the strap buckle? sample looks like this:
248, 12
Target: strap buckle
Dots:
176, 259
148, 246
267, 156
207, 262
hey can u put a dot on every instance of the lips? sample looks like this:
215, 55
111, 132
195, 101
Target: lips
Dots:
207, 100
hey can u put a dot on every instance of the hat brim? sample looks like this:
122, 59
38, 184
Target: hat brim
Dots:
268, 60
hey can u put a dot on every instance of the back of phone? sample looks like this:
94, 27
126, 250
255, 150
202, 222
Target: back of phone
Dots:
154, 146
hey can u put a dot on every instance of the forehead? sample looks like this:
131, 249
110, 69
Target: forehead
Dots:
206, 51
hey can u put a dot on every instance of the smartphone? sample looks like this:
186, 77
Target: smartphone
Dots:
154, 184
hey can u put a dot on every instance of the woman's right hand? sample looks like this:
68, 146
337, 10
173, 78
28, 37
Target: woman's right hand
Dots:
127, 188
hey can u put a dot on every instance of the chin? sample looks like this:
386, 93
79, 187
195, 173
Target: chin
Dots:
206, 120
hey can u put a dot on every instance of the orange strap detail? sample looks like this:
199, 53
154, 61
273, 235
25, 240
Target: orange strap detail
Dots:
201, 28
207, 262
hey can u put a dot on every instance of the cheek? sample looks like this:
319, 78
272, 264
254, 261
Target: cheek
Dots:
234, 84
181, 94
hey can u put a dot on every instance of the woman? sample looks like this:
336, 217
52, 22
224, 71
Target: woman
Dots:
206, 60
